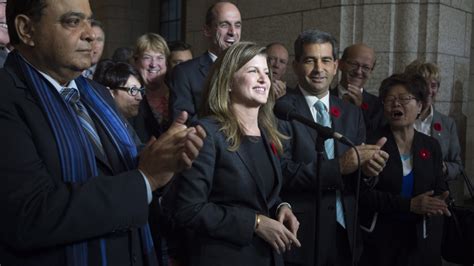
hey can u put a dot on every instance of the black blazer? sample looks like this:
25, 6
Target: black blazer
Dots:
371, 108
145, 123
385, 200
300, 179
187, 85
41, 214
216, 201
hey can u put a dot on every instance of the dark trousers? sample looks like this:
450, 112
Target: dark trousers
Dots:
337, 251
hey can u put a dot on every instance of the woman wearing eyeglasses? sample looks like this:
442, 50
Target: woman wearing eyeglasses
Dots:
396, 214
124, 83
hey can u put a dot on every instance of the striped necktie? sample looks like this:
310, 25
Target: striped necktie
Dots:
71, 96
323, 119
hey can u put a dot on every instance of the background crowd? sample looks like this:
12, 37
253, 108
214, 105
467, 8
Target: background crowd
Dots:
154, 157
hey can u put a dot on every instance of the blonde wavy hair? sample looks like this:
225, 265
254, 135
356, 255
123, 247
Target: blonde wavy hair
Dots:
216, 100
425, 69
153, 42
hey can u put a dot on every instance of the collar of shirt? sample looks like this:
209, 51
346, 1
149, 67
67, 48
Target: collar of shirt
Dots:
311, 100
341, 90
56, 85
212, 56
424, 126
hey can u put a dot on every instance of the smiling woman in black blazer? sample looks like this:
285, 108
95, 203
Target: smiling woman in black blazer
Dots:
228, 201
401, 214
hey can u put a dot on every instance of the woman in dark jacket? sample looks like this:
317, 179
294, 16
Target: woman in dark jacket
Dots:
228, 201
398, 215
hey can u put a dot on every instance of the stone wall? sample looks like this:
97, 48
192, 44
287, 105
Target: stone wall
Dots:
125, 20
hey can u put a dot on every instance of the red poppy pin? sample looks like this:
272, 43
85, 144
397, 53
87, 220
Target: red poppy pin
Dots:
274, 149
425, 154
364, 106
334, 111
437, 126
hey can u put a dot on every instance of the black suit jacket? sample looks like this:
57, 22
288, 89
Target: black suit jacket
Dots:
187, 85
217, 201
371, 108
145, 123
41, 214
300, 179
385, 200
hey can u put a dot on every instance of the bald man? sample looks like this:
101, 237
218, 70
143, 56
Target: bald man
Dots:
356, 66
222, 28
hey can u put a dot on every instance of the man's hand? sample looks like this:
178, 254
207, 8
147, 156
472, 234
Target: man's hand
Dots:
173, 151
353, 95
348, 160
279, 88
427, 204
375, 165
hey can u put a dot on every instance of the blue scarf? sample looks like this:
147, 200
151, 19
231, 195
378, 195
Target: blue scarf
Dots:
78, 163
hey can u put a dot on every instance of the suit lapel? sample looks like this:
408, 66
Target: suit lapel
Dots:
247, 161
419, 162
205, 63
302, 108
276, 169
336, 122
434, 132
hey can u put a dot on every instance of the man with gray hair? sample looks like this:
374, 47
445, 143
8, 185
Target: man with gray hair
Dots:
73, 190
324, 200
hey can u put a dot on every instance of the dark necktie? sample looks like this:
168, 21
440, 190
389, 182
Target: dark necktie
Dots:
71, 96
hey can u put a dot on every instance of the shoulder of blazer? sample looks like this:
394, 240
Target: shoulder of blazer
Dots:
291, 95
190, 65
210, 124
205, 59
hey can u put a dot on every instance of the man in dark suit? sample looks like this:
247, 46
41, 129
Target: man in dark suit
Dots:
72, 191
356, 65
326, 221
222, 29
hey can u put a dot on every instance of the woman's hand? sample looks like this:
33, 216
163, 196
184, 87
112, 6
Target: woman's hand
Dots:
288, 219
275, 234
427, 204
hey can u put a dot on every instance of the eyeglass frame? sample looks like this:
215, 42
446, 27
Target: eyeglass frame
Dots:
355, 65
132, 91
399, 100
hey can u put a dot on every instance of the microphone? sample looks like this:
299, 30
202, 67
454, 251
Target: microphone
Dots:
287, 112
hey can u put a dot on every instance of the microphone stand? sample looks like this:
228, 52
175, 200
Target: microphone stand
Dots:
319, 146
356, 208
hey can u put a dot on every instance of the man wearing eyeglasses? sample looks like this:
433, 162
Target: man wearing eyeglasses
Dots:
4, 39
356, 66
